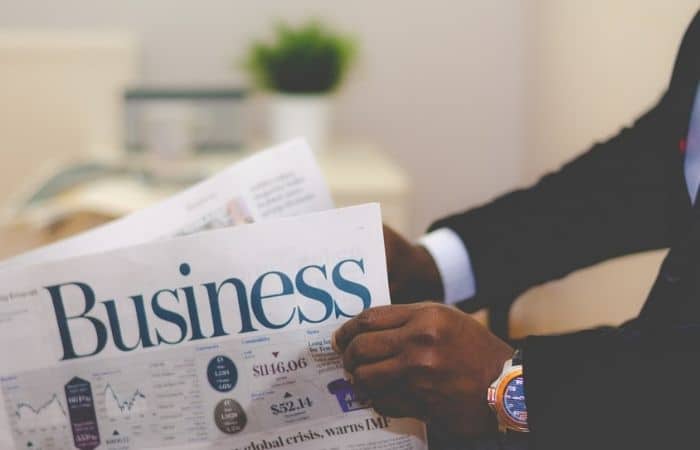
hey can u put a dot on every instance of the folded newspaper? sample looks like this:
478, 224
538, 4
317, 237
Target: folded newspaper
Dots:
130, 338
279, 182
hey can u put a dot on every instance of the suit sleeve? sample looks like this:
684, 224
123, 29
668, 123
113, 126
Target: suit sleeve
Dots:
630, 387
622, 196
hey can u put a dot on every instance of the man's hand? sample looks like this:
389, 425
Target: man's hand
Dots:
413, 275
424, 360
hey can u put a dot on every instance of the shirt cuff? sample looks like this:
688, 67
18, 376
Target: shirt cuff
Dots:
452, 260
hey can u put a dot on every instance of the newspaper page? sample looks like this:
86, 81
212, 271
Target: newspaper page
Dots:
217, 340
278, 182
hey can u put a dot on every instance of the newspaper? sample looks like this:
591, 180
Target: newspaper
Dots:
279, 182
218, 340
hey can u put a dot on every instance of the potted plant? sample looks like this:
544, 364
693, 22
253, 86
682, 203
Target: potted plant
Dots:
301, 66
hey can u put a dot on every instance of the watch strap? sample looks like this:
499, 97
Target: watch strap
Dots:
513, 440
517, 359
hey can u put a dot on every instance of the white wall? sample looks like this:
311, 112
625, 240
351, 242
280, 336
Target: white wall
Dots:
439, 83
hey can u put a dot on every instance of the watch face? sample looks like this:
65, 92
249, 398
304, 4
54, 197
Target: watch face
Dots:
514, 400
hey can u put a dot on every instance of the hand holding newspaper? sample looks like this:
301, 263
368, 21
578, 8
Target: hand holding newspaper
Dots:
217, 340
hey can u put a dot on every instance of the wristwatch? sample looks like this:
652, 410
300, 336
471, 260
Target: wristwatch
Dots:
506, 396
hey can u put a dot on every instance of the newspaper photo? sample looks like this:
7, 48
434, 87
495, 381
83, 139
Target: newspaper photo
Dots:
217, 340
279, 182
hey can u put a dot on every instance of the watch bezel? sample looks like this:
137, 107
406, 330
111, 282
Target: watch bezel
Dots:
495, 399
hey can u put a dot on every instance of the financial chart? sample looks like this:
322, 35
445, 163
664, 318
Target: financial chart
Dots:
193, 394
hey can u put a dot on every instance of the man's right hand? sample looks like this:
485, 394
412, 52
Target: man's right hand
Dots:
413, 274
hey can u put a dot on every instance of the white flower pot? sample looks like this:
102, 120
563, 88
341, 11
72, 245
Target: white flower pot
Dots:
302, 115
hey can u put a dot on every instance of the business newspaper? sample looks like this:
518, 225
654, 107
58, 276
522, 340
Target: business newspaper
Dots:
279, 182
217, 340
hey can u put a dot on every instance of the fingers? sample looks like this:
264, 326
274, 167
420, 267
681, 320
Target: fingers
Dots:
378, 378
371, 347
374, 319
391, 396
399, 403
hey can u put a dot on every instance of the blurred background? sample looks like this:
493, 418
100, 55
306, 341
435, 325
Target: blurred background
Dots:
106, 107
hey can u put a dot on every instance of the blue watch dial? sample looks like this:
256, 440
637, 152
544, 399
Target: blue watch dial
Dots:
514, 400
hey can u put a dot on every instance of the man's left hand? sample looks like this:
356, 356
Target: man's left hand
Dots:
424, 360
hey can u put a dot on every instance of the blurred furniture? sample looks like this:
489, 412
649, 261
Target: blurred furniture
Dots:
355, 172
209, 119
60, 98
15, 239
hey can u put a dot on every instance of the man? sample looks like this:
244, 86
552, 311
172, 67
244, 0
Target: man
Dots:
629, 387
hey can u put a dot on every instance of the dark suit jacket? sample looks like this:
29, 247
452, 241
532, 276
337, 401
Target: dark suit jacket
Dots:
636, 386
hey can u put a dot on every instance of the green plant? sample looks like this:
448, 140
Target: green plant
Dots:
305, 59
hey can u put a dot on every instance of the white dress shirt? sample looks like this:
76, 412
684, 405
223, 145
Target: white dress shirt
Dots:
452, 256
452, 260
